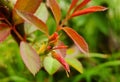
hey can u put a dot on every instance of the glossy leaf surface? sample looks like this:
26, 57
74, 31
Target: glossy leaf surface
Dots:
61, 48
4, 31
73, 4
55, 9
51, 65
33, 20
59, 58
89, 10
75, 64
78, 40
27, 6
30, 57
82, 4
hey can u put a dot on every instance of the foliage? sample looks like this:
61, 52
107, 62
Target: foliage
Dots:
96, 28
22, 11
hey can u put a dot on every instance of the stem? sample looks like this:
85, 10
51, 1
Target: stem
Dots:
63, 22
20, 37
8, 22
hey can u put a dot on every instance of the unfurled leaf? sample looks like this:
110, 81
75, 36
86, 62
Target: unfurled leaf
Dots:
30, 57
51, 65
33, 20
27, 6
55, 9
78, 40
75, 64
88, 10
4, 31
59, 58
82, 4
73, 4
42, 12
61, 48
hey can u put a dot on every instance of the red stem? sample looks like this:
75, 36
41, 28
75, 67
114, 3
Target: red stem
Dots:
17, 33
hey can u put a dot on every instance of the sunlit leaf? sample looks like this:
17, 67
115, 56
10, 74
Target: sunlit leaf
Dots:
30, 57
51, 65
78, 40
55, 9
59, 58
75, 64
27, 6
88, 10
82, 4
33, 20
4, 31
42, 12
74, 2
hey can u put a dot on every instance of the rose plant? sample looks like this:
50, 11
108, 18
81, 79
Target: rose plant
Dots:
52, 52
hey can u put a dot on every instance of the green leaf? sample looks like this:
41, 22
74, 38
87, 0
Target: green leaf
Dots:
55, 9
42, 12
78, 40
33, 20
61, 60
51, 65
75, 64
30, 57
4, 31
27, 6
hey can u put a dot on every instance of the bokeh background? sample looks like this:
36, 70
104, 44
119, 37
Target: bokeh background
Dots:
101, 31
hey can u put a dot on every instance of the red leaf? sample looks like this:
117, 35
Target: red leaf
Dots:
88, 10
61, 48
30, 57
61, 60
55, 9
53, 37
82, 4
78, 40
74, 2
27, 6
4, 31
33, 20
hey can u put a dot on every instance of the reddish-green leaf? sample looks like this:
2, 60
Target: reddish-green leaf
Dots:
61, 60
4, 31
55, 9
30, 57
75, 64
51, 65
89, 10
61, 48
33, 20
78, 40
74, 2
82, 4
27, 6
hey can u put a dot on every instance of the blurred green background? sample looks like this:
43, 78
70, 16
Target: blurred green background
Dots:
101, 30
